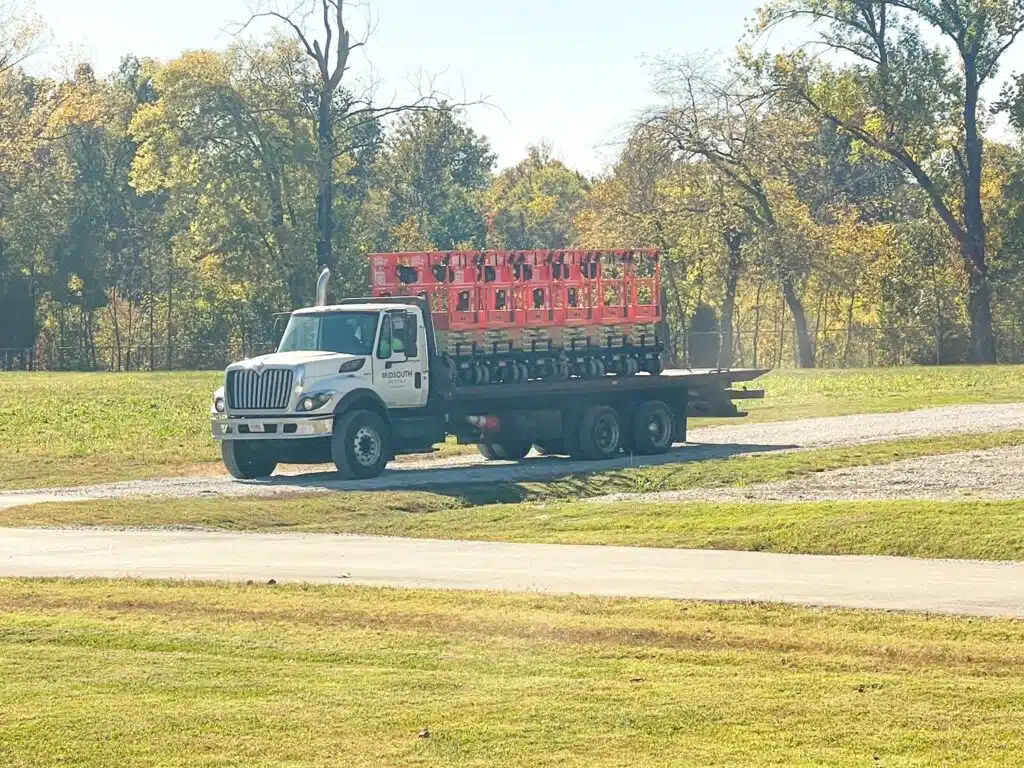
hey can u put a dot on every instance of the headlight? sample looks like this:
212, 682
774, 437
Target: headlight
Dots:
218, 404
352, 365
314, 401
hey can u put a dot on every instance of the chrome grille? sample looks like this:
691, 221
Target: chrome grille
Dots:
249, 390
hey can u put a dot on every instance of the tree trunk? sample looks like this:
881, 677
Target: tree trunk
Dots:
112, 310
849, 328
757, 319
733, 244
803, 338
664, 330
170, 316
979, 306
325, 181
152, 300
281, 250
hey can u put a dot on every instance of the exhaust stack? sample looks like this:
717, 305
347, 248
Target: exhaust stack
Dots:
321, 287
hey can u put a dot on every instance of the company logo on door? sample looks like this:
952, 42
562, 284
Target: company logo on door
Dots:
396, 377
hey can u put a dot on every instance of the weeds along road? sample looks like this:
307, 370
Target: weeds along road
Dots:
714, 442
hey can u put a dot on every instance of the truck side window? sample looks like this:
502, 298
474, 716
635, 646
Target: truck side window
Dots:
384, 345
411, 337
398, 331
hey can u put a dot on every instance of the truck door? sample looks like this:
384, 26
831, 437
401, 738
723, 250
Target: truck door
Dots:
399, 370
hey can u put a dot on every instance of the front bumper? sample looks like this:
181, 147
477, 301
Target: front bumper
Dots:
270, 428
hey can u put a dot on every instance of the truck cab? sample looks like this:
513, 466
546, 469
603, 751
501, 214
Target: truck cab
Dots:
332, 360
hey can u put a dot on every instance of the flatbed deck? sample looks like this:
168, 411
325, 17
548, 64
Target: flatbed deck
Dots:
707, 390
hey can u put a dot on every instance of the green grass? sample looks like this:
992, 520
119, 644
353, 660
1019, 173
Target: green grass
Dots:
983, 530
120, 673
74, 429
59, 429
552, 512
743, 470
797, 394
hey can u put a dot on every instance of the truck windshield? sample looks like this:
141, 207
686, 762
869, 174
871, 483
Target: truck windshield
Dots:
350, 333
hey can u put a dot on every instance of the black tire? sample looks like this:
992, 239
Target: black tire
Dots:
554, 447
571, 433
360, 445
599, 433
246, 459
654, 366
651, 429
508, 450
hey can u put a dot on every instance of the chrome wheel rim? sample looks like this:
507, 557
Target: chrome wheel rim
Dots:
366, 446
659, 429
606, 434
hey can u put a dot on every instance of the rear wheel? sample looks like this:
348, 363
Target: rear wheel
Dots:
246, 459
599, 433
361, 445
507, 450
651, 429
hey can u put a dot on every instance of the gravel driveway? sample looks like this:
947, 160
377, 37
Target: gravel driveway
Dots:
713, 442
991, 474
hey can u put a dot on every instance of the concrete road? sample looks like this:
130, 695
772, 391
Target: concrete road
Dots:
942, 586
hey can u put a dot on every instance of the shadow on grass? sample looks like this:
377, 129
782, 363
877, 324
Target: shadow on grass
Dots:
534, 478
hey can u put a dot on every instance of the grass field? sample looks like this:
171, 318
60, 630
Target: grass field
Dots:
797, 394
119, 673
553, 512
74, 429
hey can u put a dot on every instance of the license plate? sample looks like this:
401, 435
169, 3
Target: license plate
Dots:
256, 428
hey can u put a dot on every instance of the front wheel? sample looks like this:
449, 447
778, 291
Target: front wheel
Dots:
246, 459
361, 445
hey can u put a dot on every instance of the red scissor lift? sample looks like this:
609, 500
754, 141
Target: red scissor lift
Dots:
514, 315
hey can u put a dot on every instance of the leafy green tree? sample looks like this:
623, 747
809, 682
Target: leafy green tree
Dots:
218, 140
533, 204
339, 114
906, 100
430, 183
707, 118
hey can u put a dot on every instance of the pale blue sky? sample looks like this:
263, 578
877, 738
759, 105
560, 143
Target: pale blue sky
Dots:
567, 71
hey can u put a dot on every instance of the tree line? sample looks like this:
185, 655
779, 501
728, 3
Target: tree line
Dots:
836, 202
